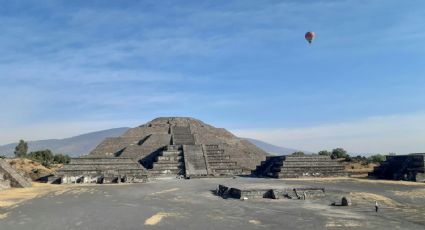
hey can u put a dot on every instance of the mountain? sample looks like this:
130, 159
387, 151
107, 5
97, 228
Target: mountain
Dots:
83, 144
73, 146
272, 149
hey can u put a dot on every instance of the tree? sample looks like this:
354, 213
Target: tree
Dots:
21, 149
61, 159
339, 153
325, 153
298, 153
45, 157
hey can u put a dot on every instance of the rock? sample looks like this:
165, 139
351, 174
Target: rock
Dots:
346, 201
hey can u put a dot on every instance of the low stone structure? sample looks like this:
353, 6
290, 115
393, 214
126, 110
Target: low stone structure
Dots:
270, 193
401, 167
8, 175
181, 146
101, 170
299, 166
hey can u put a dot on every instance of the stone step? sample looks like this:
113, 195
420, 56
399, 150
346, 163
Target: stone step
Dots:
215, 151
169, 163
295, 175
211, 147
218, 158
165, 167
306, 164
226, 171
216, 154
156, 172
169, 158
307, 169
221, 163
171, 153
230, 167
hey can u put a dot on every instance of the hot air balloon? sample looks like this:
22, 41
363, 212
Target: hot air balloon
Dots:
309, 36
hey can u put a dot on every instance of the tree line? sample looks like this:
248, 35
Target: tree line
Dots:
340, 153
44, 157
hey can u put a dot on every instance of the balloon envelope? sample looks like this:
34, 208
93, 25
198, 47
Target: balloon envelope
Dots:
309, 36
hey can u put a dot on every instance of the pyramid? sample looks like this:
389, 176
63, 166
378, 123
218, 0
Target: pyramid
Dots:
183, 146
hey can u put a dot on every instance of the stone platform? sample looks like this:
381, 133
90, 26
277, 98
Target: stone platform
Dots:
401, 167
299, 166
101, 170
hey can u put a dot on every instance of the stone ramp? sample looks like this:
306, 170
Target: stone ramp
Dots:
194, 160
10, 174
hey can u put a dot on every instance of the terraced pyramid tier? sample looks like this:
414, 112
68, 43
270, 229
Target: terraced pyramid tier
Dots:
299, 166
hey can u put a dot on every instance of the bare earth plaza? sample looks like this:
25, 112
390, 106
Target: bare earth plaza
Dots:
180, 173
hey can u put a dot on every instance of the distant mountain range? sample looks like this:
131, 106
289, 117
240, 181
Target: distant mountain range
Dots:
83, 144
73, 146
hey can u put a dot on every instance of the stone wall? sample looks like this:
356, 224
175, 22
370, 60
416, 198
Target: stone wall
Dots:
10, 174
102, 170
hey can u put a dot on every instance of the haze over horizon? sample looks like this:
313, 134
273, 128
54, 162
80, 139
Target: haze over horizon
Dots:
72, 67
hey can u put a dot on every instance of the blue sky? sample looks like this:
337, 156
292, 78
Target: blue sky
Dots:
68, 67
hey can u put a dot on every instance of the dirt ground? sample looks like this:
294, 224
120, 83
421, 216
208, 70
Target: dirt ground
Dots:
191, 204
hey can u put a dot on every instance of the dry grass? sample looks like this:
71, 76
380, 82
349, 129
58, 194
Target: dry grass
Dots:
31, 169
358, 168
416, 193
365, 197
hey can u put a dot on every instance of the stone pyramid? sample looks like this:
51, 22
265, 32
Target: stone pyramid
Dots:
183, 146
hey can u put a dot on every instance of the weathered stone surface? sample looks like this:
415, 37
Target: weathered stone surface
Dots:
146, 142
402, 167
299, 166
10, 174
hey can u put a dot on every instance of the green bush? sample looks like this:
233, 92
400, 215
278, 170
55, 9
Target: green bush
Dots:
298, 153
61, 159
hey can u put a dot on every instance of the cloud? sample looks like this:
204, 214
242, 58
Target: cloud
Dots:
397, 133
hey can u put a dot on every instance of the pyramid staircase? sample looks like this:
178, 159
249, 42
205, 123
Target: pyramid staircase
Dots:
182, 135
169, 163
299, 166
219, 163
